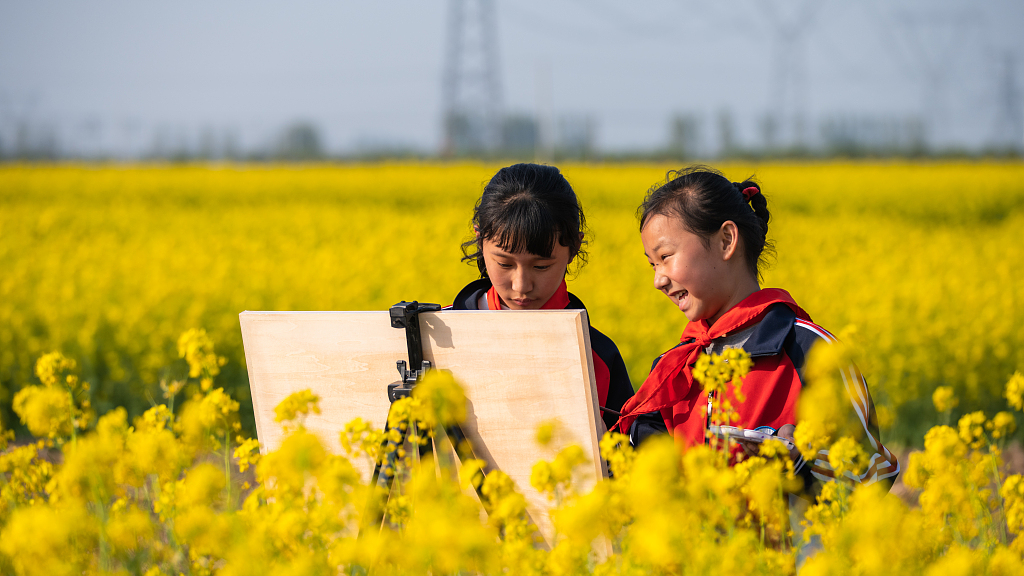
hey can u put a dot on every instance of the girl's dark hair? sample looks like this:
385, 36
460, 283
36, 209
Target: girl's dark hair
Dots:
703, 198
527, 207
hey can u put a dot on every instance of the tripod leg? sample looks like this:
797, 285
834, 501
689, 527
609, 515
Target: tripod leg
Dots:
383, 446
384, 473
463, 449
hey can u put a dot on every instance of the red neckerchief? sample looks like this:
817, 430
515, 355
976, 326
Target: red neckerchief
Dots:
558, 301
664, 387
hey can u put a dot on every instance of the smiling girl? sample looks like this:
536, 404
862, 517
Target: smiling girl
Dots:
705, 239
529, 228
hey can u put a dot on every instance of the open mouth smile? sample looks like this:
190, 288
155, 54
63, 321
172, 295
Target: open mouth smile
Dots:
680, 297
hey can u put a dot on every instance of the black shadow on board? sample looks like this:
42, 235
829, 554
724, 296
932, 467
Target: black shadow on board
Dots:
438, 333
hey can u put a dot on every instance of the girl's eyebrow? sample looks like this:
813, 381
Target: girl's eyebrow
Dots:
655, 248
501, 252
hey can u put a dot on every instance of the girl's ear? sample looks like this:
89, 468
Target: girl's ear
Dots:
476, 230
728, 239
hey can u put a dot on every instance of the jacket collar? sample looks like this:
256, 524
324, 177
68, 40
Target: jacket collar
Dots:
469, 296
769, 335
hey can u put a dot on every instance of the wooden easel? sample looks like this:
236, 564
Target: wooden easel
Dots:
519, 369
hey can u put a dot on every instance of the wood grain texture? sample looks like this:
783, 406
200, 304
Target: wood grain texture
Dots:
519, 369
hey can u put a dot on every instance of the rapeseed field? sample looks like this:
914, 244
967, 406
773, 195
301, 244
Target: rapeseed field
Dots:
171, 494
921, 265
120, 354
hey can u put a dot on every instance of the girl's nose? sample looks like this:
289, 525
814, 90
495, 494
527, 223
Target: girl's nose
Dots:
522, 283
660, 280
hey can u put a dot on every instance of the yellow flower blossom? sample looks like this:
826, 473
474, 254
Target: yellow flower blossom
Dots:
722, 375
130, 531
247, 453
972, 429
197, 349
1001, 425
443, 401
847, 455
824, 409
1012, 494
1014, 391
46, 411
812, 436
555, 477
546, 432
299, 456
210, 418
158, 417
52, 369
506, 507
617, 451
151, 451
296, 405
360, 436
49, 541
945, 399
24, 476
1005, 562
89, 468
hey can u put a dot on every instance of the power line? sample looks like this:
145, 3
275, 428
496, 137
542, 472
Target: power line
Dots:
1009, 128
934, 41
471, 90
788, 81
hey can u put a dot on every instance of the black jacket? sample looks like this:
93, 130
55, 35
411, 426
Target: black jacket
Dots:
619, 388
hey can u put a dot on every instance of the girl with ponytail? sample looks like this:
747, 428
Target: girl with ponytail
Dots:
706, 239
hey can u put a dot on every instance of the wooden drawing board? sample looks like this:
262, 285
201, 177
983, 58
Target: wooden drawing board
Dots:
519, 369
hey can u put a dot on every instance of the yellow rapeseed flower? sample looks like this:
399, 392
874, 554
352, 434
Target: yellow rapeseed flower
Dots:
197, 349
1002, 425
442, 400
1014, 391
52, 368
972, 429
296, 405
847, 455
45, 410
299, 456
1012, 494
360, 437
247, 453
44, 540
944, 398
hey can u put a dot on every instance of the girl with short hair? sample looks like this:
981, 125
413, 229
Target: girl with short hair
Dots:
529, 228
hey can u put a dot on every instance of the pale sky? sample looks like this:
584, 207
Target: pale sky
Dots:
112, 73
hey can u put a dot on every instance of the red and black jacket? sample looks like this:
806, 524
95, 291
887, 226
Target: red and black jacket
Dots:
613, 387
778, 337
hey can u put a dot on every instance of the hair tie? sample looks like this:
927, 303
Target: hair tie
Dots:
750, 192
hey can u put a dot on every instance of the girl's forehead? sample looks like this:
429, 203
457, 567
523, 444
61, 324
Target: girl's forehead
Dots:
665, 229
660, 224
511, 250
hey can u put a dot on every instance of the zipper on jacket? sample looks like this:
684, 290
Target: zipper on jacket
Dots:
707, 417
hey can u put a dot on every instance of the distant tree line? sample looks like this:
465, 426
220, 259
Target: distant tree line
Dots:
569, 137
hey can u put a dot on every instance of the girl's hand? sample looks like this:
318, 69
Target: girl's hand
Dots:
753, 448
786, 432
